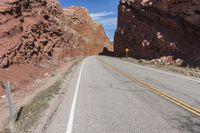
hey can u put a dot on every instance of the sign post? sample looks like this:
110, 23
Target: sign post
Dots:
8, 93
126, 50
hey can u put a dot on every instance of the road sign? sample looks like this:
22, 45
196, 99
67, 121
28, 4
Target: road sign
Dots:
126, 50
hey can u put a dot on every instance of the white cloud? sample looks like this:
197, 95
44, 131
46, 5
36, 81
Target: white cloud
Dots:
108, 19
100, 15
109, 22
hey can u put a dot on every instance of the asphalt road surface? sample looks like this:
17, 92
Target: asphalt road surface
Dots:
107, 95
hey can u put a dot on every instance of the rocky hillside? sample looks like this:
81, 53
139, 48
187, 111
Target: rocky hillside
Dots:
35, 30
152, 29
92, 34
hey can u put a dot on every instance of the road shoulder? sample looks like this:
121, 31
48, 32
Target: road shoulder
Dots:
36, 109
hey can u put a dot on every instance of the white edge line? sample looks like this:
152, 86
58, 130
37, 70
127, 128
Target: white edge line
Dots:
164, 72
72, 111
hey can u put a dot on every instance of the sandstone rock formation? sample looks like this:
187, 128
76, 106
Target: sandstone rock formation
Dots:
91, 34
155, 28
35, 30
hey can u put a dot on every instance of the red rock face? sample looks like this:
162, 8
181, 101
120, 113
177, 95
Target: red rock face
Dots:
35, 30
152, 29
90, 33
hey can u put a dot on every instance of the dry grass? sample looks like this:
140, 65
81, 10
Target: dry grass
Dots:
29, 115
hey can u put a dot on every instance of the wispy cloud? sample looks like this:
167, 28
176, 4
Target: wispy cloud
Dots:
109, 22
100, 15
108, 19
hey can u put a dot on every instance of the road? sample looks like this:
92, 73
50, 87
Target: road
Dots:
107, 95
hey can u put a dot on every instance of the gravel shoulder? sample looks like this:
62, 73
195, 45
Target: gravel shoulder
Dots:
188, 71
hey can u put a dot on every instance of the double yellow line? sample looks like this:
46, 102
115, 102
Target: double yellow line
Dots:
174, 100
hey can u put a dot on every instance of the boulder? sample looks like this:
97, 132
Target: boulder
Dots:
5, 63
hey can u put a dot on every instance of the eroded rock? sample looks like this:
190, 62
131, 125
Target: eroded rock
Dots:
31, 31
152, 29
5, 63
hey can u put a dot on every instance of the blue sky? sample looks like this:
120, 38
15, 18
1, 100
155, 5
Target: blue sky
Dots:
102, 11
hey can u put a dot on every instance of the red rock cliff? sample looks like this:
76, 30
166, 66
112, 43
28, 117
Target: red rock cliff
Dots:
156, 28
92, 33
36, 30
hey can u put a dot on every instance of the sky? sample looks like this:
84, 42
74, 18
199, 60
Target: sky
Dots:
102, 11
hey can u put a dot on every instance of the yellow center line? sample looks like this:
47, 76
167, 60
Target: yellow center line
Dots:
176, 101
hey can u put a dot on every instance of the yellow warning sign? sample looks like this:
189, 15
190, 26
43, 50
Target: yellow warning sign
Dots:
127, 50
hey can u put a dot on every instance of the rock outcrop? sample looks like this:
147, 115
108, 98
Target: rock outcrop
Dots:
91, 34
155, 28
35, 30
